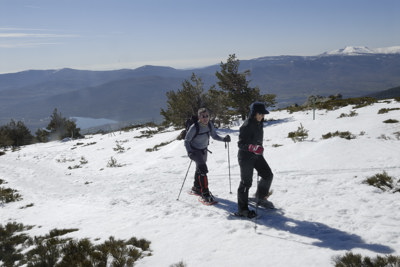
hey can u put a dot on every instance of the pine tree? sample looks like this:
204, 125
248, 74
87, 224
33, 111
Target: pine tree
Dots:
15, 134
235, 84
184, 103
59, 128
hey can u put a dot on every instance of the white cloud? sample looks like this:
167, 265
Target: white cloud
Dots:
31, 37
35, 35
21, 45
21, 29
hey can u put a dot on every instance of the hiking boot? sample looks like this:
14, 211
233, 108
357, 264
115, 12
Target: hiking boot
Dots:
248, 213
265, 203
207, 197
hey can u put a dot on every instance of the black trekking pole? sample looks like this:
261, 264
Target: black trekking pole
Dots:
229, 168
255, 219
184, 179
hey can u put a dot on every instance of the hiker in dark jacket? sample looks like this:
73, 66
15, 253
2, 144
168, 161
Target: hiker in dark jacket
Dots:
250, 157
196, 144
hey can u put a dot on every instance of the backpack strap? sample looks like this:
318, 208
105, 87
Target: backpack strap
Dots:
197, 126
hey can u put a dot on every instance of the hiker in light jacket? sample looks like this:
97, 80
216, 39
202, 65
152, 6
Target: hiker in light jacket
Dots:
196, 144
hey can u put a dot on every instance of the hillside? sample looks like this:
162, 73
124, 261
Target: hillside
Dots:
323, 207
138, 95
389, 93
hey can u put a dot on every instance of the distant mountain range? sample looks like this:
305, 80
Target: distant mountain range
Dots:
137, 95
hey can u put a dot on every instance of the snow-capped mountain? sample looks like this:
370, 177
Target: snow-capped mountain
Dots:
362, 50
32, 95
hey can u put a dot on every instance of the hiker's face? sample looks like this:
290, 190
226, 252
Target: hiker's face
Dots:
204, 117
259, 116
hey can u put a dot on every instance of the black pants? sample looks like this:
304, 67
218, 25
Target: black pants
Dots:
200, 175
248, 162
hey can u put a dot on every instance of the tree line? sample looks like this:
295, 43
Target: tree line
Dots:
231, 96
15, 134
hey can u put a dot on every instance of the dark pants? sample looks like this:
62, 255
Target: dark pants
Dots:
248, 162
200, 175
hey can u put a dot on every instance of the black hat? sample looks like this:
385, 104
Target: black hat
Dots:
258, 107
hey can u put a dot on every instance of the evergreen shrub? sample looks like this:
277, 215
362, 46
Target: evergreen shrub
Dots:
112, 163
179, 264
391, 121
353, 260
300, 135
156, 147
386, 110
351, 114
18, 249
346, 135
384, 182
8, 195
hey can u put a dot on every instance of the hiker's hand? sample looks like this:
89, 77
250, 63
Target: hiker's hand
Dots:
190, 155
256, 149
227, 139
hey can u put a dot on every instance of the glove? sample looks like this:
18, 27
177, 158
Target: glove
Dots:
190, 155
227, 139
256, 149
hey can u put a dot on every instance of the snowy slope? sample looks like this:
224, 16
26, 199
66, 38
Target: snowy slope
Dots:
324, 208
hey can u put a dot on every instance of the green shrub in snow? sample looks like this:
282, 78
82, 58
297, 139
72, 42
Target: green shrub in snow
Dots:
391, 121
351, 114
386, 110
300, 135
8, 195
18, 249
353, 260
346, 135
384, 182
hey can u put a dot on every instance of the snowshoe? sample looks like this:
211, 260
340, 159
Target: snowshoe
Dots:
264, 203
247, 214
195, 191
207, 199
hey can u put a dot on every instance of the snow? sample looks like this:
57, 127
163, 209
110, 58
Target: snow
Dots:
324, 209
363, 50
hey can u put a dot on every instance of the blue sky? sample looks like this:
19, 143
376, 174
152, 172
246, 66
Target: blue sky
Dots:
115, 34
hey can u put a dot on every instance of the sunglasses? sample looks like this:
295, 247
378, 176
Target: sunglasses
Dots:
204, 116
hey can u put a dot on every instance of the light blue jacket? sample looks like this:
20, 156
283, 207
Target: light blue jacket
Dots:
201, 140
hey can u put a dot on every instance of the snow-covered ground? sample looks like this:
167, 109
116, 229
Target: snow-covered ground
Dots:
324, 209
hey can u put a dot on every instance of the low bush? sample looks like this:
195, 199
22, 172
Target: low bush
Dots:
18, 249
391, 121
300, 135
335, 103
156, 147
384, 182
179, 264
386, 110
8, 195
12, 243
351, 114
353, 260
112, 163
119, 148
346, 135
